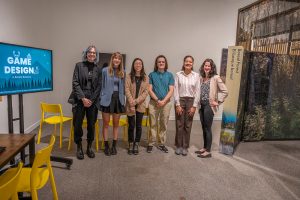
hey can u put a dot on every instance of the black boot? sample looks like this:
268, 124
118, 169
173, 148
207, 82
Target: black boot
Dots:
130, 148
113, 148
89, 150
136, 148
79, 153
106, 149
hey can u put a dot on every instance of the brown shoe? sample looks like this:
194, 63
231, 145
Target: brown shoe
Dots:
205, 155
201, 151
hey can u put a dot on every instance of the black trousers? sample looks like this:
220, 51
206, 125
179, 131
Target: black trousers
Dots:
91, 113
206, 118
135, 121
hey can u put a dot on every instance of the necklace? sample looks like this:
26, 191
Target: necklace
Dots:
137, 79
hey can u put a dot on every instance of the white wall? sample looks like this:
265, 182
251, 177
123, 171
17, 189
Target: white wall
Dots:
21, 23
138, 28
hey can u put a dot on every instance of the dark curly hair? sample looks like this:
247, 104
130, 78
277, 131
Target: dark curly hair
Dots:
213, 70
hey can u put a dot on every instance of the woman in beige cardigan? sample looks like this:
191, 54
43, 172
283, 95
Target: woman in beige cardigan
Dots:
136, 91
212, 93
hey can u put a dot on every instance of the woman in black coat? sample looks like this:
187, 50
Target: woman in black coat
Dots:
85, 99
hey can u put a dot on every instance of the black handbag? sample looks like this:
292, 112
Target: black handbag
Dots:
72, 98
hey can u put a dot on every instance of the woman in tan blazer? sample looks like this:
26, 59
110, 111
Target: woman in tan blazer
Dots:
212, 93
136, 91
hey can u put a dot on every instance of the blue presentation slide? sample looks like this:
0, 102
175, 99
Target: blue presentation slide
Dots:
24, 69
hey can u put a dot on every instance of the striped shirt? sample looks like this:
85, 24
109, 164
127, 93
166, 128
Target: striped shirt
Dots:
187, 86
160, 83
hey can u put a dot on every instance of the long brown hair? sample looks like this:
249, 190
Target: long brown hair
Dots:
120, 70
188, 56
213, 70
132, 72
155, 64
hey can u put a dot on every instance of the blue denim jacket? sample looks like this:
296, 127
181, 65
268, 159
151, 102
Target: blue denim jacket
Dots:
107, 88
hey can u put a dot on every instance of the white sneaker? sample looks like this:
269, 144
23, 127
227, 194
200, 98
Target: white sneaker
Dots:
178, 151
184, 152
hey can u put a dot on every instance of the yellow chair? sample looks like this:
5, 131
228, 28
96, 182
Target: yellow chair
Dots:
8, 183
84, 125
122, 123
146, 122
56, 117
36, 177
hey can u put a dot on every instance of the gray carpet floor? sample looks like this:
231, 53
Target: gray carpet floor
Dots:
258, 170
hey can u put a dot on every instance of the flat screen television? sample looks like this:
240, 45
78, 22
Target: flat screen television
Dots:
104, 59
25, 69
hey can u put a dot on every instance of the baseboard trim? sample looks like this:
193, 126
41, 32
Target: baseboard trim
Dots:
36, 124
32, 127
197, 118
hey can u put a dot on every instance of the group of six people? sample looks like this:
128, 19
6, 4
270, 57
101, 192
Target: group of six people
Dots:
114, 93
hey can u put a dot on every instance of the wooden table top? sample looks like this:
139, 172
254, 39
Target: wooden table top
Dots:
14, 143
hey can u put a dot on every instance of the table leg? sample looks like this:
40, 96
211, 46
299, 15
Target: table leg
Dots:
31, 151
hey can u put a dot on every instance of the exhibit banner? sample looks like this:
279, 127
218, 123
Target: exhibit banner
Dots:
223, 65
231, 105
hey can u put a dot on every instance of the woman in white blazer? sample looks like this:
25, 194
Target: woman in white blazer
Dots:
212, 93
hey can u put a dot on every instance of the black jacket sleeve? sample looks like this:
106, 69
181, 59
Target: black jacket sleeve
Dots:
96, 93
76, 82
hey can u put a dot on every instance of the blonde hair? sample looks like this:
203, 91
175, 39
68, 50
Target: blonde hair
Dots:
120, 71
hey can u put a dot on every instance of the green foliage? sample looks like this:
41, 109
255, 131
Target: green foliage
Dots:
274, 126
229, 125
295, 122
254, 126
227, 138
284, 118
